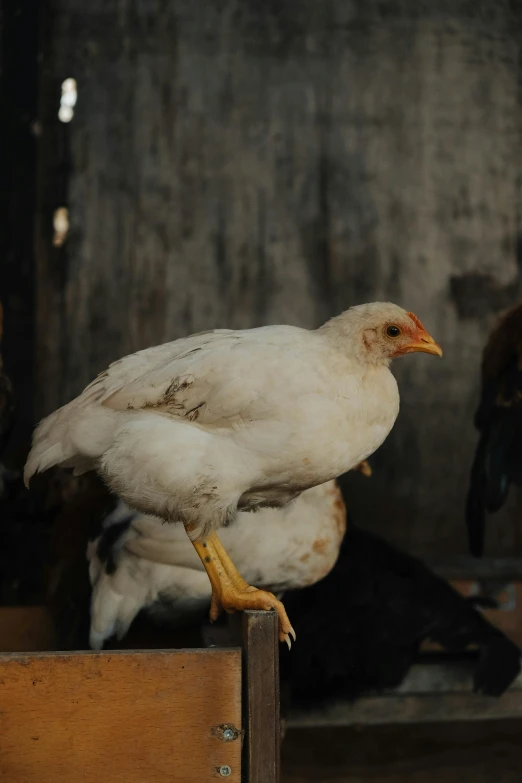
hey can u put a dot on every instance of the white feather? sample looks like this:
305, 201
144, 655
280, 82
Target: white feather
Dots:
158, 570
195, 429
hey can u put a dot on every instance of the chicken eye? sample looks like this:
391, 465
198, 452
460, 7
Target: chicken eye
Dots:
393, 331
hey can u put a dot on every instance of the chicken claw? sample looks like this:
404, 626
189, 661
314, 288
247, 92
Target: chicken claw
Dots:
230, 598
286, 637
231, 593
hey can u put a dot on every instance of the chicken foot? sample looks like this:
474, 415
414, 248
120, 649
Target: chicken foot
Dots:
231, 593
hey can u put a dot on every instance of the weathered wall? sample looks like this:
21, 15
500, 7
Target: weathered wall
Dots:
239, 162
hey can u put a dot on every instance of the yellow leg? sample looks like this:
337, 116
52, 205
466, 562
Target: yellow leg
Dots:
229, 567
230, 591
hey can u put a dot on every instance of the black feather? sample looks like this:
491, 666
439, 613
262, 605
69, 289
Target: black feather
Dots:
498, 459
108, 548
362, 626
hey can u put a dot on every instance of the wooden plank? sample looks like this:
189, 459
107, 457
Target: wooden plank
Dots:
489, 752
441, 677
427, 708
26, 629
430, 693
465, 567
261, 758
119, 717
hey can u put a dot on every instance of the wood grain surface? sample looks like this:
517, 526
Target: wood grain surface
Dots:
119, 717
261, 755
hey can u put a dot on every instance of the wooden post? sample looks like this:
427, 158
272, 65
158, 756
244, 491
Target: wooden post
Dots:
261, 748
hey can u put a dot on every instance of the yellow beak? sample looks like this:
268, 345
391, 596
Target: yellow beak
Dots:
426, 344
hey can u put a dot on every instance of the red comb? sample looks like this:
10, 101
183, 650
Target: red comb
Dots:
416, 321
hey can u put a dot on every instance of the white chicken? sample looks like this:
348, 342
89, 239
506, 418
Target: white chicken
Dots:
197, 429
138, 562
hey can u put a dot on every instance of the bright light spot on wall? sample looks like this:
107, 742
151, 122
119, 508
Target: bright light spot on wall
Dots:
68, 100
65, 114
60, 225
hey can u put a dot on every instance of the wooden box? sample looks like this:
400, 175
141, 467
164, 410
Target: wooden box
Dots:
140, 716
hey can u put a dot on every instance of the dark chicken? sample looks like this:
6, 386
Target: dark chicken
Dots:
391, 603
498, 458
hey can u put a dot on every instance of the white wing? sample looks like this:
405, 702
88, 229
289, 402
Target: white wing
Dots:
220, 378
217, 378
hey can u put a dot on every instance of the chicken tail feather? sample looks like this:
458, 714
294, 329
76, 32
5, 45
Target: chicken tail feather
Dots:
73, 441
